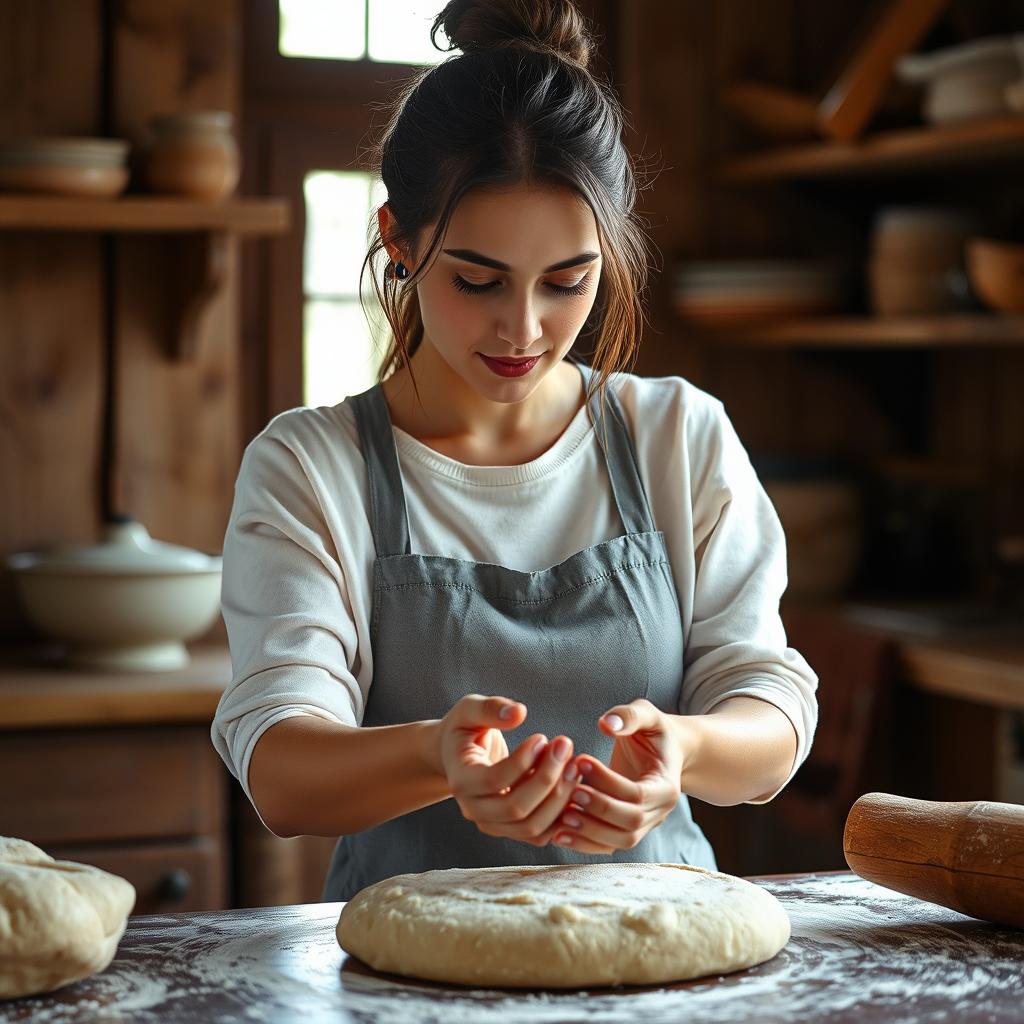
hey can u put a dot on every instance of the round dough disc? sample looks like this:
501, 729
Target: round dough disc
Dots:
59, 921
563, 926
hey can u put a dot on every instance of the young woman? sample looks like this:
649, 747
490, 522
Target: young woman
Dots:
504, 608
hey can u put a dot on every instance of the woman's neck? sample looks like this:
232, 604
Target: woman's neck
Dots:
452, 417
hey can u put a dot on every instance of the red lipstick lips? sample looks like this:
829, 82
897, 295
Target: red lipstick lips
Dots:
505, 367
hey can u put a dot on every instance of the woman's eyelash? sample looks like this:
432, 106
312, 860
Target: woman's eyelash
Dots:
477, 289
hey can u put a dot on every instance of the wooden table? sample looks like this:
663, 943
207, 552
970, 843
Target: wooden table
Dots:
858, 953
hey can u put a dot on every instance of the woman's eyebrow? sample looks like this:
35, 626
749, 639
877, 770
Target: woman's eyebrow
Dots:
485, 261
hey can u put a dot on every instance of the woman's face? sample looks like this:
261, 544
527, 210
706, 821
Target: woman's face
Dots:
524, 308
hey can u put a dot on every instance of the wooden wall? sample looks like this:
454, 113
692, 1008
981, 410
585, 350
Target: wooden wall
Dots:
80, 312
954, 417
952, 410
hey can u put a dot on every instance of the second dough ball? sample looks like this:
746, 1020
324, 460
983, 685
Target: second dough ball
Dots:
59, 921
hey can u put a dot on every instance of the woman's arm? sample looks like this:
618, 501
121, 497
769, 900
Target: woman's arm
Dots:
308, 776
742, 750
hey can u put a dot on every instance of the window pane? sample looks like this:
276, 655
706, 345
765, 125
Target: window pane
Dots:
341, 356
338, 228
322, 28
399, 32
341, 351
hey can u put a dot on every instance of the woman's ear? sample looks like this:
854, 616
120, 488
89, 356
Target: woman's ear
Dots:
386, 224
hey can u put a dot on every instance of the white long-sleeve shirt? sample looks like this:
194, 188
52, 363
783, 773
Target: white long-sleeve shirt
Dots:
299, 553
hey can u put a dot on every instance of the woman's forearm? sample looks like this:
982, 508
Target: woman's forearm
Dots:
743, 749
308, 776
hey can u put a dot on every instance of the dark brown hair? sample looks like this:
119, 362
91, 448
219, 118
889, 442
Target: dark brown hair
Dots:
517, 106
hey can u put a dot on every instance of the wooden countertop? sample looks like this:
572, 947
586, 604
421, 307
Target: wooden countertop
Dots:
858, 952
984, 669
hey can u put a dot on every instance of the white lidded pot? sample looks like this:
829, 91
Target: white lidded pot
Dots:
127, 603
967, 80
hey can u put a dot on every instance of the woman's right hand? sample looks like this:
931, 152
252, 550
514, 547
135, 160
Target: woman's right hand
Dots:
516, 796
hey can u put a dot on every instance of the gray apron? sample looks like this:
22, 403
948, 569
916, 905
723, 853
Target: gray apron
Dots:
601, 628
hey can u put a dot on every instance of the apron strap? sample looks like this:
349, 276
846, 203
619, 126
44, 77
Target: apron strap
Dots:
620, 457
389, 519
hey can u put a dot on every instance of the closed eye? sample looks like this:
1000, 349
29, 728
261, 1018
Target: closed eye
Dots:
478, 289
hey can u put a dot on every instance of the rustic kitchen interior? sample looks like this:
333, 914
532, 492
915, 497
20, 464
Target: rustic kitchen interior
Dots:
841, 245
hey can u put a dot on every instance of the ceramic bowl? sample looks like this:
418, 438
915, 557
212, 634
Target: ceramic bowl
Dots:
996, 272
62, 165
965, 81
128, 603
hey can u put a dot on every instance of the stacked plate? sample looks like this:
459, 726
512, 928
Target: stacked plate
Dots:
64, 166
731, 292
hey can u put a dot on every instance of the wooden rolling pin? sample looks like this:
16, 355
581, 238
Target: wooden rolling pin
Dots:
967, 856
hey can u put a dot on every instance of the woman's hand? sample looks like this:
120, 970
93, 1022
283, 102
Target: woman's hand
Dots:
615, 806
518, 796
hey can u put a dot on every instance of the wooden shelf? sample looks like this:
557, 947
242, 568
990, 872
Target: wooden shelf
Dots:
886, 153
950, 331
157, 214
198, 232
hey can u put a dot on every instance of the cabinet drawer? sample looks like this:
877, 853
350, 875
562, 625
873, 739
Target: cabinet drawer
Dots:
99, 785
168, 877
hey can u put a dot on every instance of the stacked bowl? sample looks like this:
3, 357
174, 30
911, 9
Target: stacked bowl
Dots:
68, 166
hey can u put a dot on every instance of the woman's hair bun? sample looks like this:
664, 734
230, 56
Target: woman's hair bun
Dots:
474, 25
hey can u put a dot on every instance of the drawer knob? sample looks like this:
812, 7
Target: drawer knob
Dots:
175, 885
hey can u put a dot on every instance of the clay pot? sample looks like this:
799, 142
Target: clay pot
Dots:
193, 154
916, 252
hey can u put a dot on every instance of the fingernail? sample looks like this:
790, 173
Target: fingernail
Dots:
586, 767
614, 722
564, 840
571, 820
581, 797
570, 773
538, 745
561, 748
507, 711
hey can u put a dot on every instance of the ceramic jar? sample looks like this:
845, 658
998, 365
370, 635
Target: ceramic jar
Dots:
917, 256
193, 154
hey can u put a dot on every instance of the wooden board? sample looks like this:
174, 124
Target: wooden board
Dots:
858, 953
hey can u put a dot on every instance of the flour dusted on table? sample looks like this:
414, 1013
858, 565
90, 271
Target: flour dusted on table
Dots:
563, 926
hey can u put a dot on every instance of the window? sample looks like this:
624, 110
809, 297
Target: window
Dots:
395, 31
341, 351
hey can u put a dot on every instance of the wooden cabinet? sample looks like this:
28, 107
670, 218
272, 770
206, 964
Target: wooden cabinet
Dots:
146, 802
118, 770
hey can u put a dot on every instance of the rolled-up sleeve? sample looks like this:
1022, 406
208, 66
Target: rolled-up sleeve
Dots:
737, 643
286, 608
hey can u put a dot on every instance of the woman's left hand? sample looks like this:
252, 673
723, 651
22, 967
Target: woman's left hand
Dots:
614, 807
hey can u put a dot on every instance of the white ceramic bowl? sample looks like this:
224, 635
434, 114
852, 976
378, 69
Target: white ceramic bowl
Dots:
967, 80
128, 603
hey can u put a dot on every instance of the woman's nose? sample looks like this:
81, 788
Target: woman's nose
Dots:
520, 324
